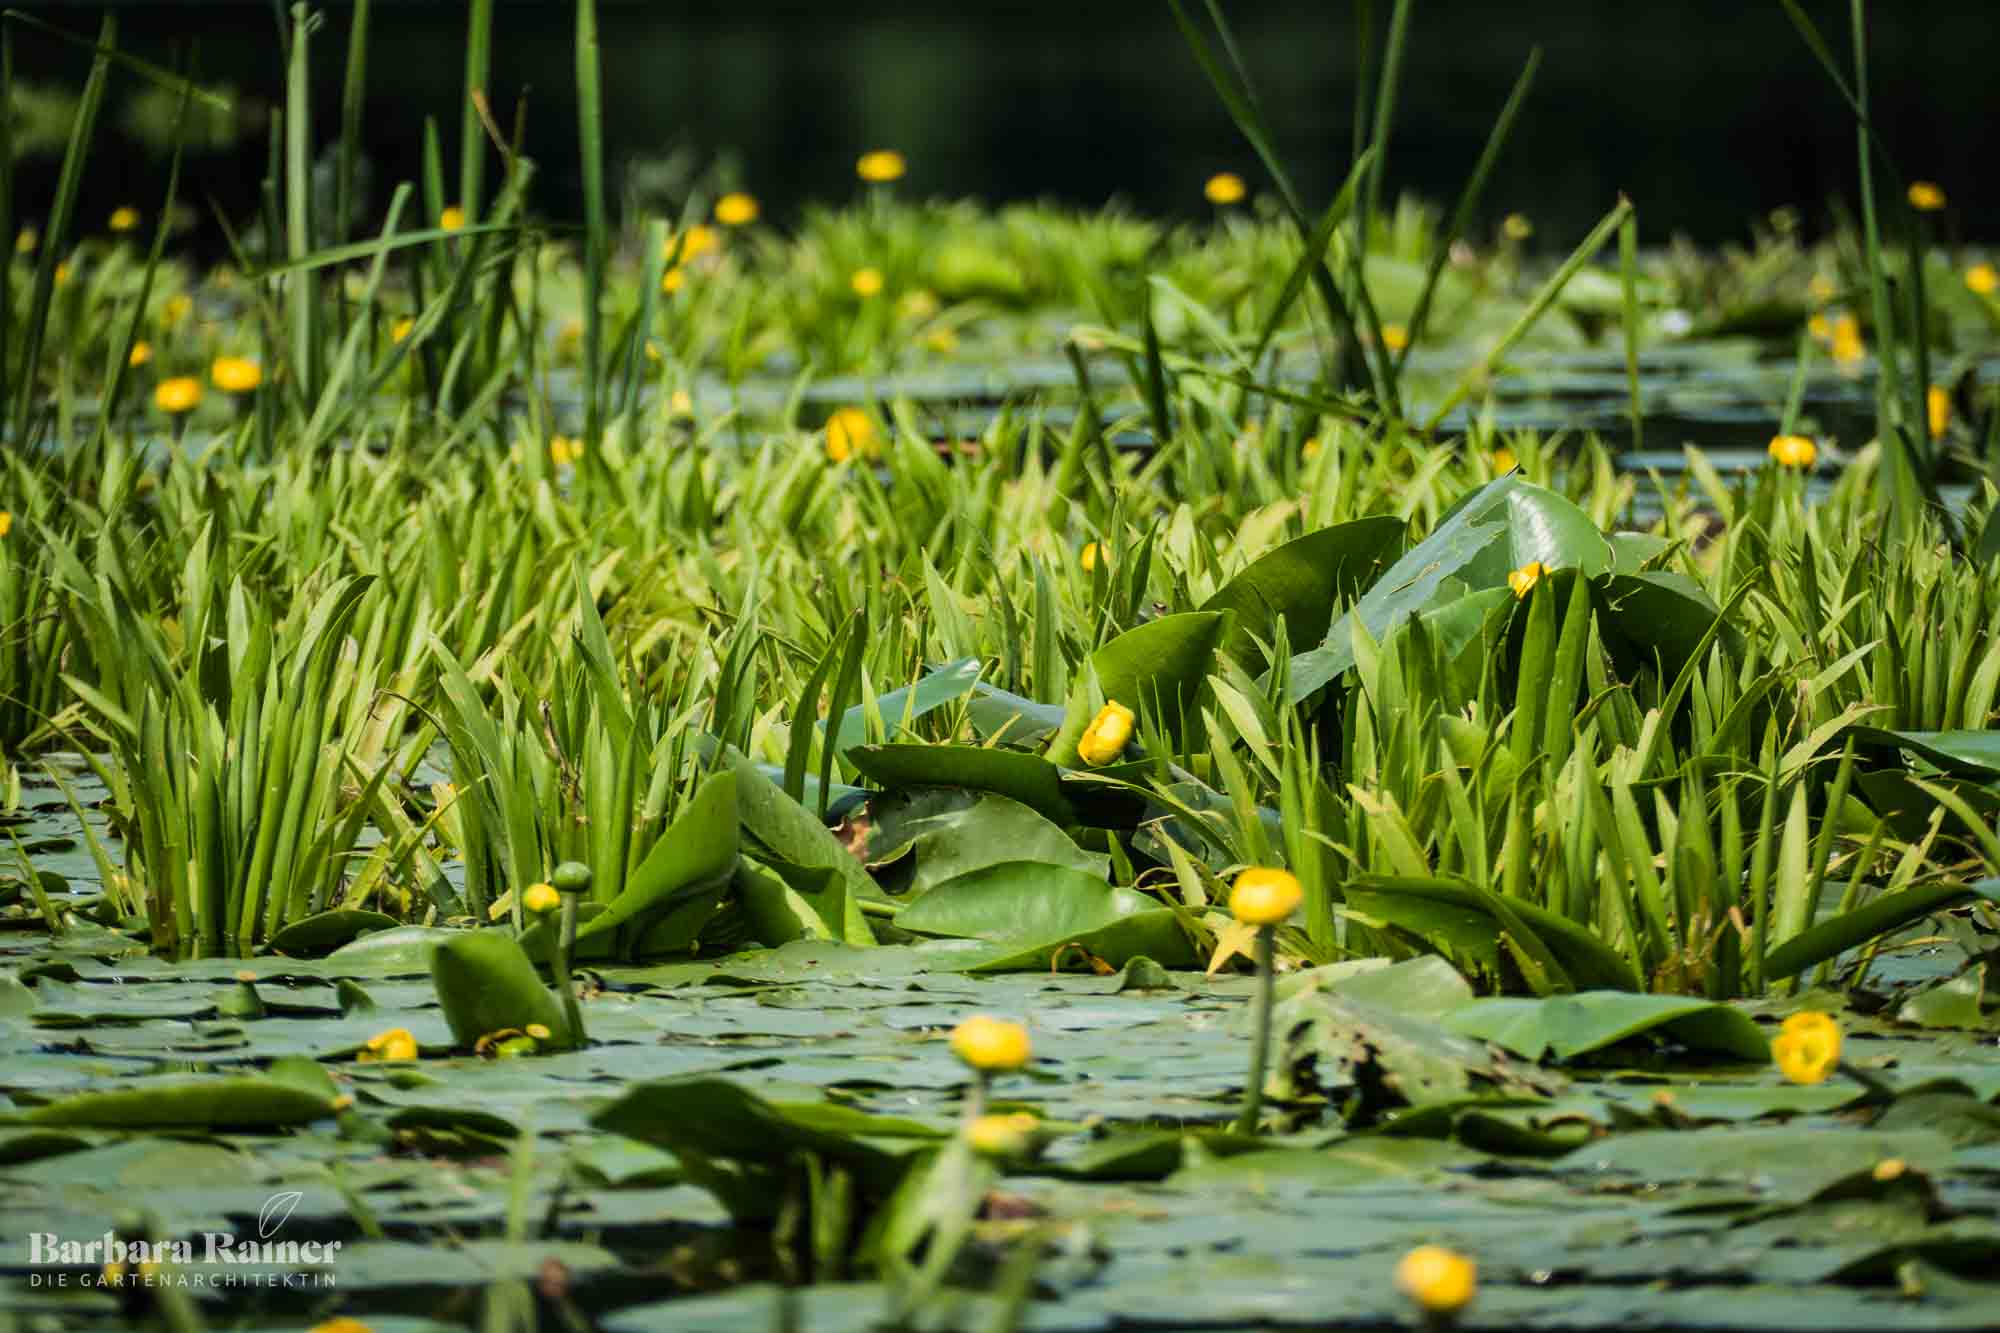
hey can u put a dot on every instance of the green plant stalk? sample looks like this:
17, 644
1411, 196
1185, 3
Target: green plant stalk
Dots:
1468, 201
121, 351
57, 233
353, 92
566, 950
590, 145
472, 134
1628, 272
298, 203
1544, 298
1896, 449
1260, 1040
6, 209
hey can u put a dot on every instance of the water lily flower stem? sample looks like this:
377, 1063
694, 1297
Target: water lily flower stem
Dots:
1260, 1040
572, 880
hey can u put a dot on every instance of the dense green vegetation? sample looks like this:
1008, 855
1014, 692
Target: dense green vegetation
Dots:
698, 666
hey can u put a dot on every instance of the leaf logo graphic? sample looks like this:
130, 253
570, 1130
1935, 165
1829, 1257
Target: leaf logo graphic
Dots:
277, 1211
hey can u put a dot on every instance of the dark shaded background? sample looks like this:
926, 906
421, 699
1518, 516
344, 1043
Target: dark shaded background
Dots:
1707, 112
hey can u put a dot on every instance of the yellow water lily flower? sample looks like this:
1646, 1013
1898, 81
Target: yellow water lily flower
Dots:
1983, 279
1807, 1047
1926, 196
850, 432
680, 403
1504, 460
395, 1044
1793, 450
564, 449
880, 166
541, 899
866, 282
1438, 1280
736, 209
1088, 557
1008, 1134
141, 353
124, 219
1225, 188
6, 521
452, 219
1107, 734
1516, 227
400, 330
991, 1045
1395, 337
1265, 895
180, 394
235, 374
1524, 579
673, 280
1937, 410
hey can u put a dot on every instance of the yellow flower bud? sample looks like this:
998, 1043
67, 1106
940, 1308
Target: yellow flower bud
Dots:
880, 167
736, 209
452, 218
1983, 279
1937, 408
1395, 337
177, 395
1524, 579
235, 374
1438, 1280
1225, 188
1926, 196
1009, 1135
1265, 895
991, 1045
850, 432
6, 521
1807, 1047
124, 219
1793, 451
1105, 739
395, 1044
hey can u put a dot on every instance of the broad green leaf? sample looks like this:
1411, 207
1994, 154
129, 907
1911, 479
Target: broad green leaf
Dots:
486, 984
1447, 913
1850, 930
1027, 778
1032, 912
234, 1102
1570, 1025
699, 848
1302, 581
1501, 527
790, 831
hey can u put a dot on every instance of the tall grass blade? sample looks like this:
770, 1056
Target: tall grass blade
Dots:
1537, 307
1468, 200
56, 236
590, 145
